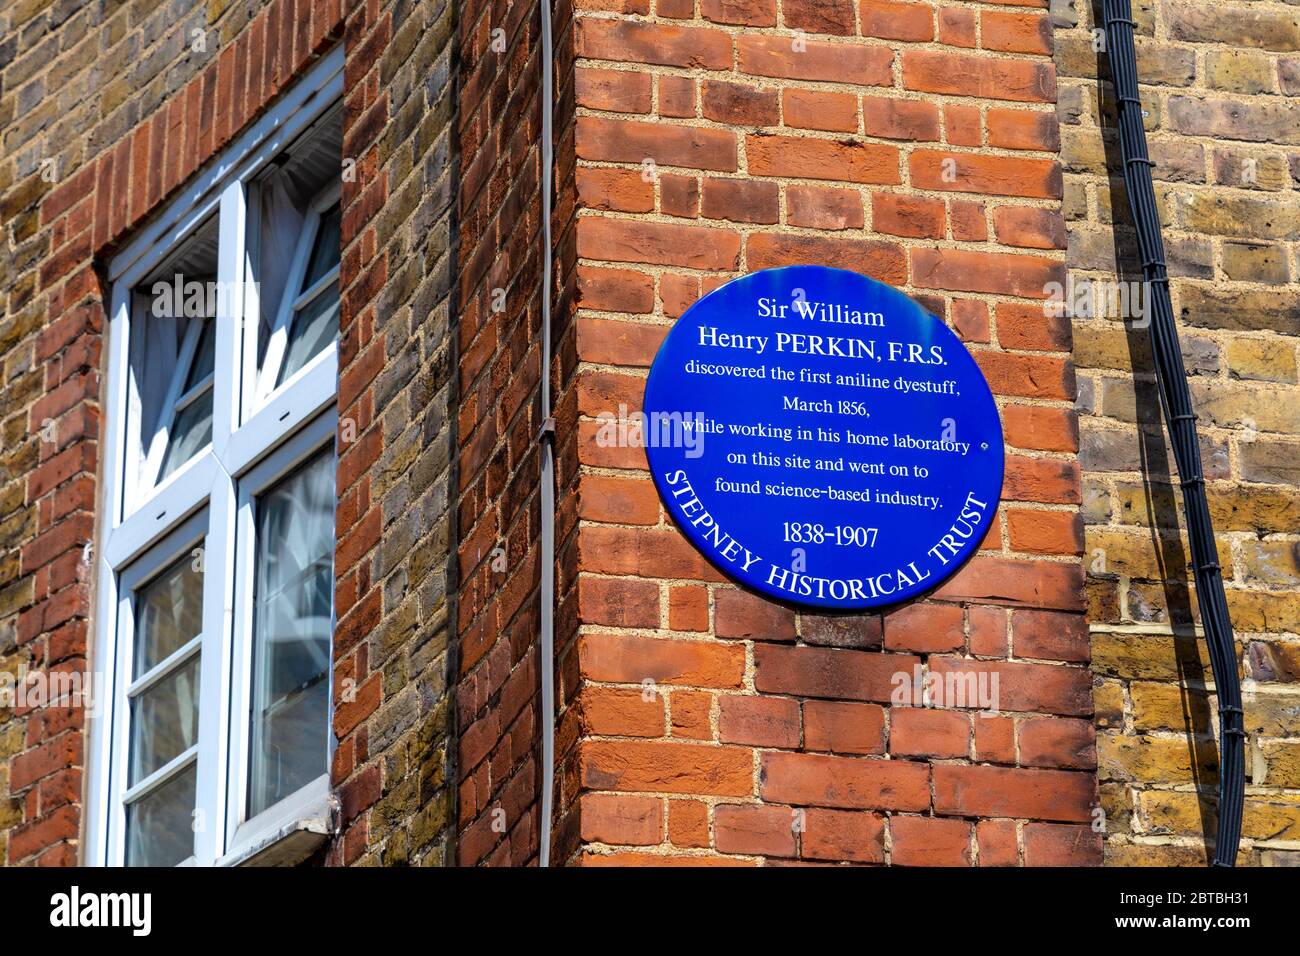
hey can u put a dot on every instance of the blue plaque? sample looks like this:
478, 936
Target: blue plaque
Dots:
823, 439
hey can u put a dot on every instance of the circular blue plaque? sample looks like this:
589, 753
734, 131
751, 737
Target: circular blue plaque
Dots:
823, 439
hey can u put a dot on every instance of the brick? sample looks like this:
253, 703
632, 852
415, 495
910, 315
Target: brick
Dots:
753, 13
1016, 583
739, 614
688, 608
896, 21
880, 260
1048, 844
821, 159
823, 207
759, 721
622, 712
818, 60
1049, 636
915, 120
840, 727
995, 739
696, 247
621, 820
968, 221
688, 823
978, 173
929, 841
625, 500
626, 141
676, 96
1045, 532
608, 657
1016, 32
907, 216
997, 843
819, 16
618, 190
957, 27
920, 732
813, 109
988, 631
827, 672
739, 103
1022, 687
1028, 228
854, 835
1041, 427
679, 195
986, 77
691, 714
844, 782
617, 290
1057, 743
633, 42
768, 831
960, 270
1054, 795
924, 628
1028, 328
962, 125
665, 767
738, 200
1023, 129
970, 320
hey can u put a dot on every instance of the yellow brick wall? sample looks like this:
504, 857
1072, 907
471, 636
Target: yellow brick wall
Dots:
1220, 85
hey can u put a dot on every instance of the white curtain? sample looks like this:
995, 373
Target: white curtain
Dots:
157, 358
281, 217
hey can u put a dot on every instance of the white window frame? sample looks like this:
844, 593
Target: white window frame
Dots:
209, 497
175, 401
262, 386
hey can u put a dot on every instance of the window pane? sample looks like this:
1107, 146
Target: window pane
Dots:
159, 826
204, 356
286, 195
191, 431
294, 591
325, 251
175, 304
314, 327
164, 720
169, 613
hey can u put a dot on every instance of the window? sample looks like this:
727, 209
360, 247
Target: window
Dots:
211, 735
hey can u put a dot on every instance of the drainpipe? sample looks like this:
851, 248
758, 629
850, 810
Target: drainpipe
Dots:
547, 439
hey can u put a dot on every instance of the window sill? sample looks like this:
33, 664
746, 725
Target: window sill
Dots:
291, 838
289, 847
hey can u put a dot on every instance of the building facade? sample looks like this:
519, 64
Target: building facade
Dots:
276, 269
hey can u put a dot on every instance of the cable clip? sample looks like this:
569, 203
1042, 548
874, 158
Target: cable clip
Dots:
1225, 711
547, 431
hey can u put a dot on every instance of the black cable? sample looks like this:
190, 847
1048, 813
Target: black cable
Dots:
1177, 403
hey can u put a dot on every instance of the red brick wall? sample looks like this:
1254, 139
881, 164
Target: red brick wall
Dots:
118, 151
703, 724
498, 416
